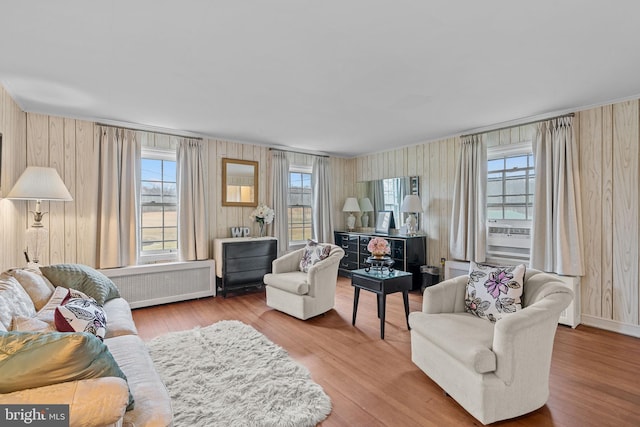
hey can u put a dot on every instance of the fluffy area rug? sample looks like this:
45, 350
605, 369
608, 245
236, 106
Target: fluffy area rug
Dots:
229, 374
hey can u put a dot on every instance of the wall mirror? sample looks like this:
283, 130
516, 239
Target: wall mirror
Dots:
239, 182
386, 195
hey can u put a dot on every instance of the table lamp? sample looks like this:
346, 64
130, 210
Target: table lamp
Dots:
365, 206
351, 206
411, 204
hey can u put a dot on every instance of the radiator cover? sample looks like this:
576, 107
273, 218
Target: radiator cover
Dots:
153, 284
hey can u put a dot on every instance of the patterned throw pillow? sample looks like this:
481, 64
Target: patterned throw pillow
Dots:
83, 278
81, 315
313, 252
493, 292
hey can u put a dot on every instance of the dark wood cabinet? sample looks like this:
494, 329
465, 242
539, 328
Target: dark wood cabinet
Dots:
241, 263
408, 252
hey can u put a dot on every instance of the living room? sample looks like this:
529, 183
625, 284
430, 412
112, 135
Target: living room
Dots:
609, 140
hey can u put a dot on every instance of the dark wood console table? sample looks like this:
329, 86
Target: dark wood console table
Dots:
409, 253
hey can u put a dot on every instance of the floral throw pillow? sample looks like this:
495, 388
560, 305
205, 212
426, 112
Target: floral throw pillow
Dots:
313, 252
493, 292
77, 314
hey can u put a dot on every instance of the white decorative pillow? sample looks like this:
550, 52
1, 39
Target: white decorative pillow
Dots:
313, 253
81, 315
14, 301
31, 324
493, 292
35, 284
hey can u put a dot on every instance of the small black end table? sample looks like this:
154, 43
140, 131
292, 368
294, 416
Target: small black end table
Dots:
381, 283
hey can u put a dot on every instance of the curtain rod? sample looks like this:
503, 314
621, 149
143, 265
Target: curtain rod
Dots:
298, 152
150, 131
518, 125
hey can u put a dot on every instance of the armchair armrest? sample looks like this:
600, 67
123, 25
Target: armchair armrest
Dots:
98, 401
325, 270
526, 336
287, 263
446, 296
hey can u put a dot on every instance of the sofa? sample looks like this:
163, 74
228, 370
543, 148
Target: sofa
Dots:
105, 383
494, 370
302, 283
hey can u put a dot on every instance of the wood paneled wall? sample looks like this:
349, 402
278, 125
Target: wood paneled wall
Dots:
71, 146
14, 156
609, 139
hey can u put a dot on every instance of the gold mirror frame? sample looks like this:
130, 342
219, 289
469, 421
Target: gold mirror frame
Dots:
246, 196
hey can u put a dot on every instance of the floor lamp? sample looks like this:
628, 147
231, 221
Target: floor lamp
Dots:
38, 183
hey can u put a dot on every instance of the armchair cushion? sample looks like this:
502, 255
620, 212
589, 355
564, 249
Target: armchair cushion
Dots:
493, 292
461, 335
313, 253
294, 282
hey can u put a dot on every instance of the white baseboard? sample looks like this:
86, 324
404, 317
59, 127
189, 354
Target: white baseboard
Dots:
611, 325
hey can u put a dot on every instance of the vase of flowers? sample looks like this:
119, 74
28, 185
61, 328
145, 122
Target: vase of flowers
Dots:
378, 247
263, 215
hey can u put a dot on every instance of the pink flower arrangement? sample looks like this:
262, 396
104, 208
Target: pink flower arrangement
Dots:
379, 246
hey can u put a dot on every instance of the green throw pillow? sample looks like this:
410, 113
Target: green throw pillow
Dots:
29, 360
83, 278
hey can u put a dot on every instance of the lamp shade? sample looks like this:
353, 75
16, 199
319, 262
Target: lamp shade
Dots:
40, 183
365, 205
351, 205
411, 203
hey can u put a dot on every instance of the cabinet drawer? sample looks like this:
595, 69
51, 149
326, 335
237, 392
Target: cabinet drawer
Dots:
348, 265
397, 249
249, 249
367, 283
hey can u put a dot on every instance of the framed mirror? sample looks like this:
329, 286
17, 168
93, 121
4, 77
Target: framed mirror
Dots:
239, 182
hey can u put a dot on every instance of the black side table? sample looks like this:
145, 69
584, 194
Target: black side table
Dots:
381, 283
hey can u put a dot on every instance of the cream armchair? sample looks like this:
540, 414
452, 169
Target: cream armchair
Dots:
493, 370
303, 295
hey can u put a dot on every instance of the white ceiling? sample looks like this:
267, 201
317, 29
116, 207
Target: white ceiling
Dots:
344, 77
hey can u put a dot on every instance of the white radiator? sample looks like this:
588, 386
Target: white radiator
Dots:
570, 316
153, 284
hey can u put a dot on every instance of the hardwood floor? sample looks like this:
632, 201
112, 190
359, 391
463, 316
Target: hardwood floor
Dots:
372, 382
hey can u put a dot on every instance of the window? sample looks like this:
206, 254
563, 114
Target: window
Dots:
510, 183
300, 204
158, 205
510, 188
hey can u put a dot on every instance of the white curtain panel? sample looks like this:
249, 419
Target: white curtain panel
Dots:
118, 190
557, 218
322, 207
280, 182
467, 240
193, 239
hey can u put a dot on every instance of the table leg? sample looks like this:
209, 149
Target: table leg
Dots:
378, 296
382, 308
405, 297
356, 296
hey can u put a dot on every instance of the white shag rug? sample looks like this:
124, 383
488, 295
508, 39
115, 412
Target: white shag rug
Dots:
229, 374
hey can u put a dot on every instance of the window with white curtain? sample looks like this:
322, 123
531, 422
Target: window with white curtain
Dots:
158, 206
510, 188
300, 205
